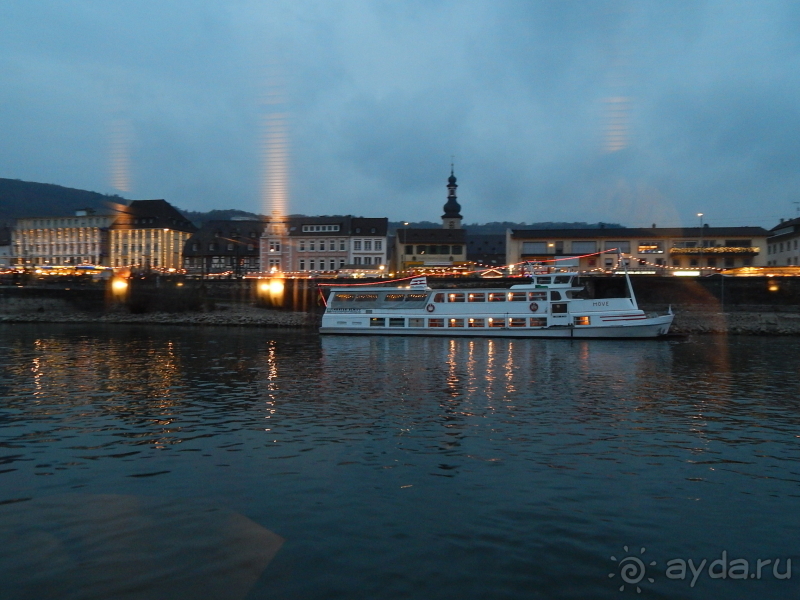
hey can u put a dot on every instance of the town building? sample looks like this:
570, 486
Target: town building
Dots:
486, 249
656, 249
224, 247
149, 234
300, 244
782, 244
5, 248
422, 249
80, 239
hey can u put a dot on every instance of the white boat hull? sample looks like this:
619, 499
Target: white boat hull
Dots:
651, 327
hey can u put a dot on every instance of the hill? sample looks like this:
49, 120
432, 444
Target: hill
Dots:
29, 199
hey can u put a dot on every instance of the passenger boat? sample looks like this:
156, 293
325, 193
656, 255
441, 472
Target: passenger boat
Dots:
552, 305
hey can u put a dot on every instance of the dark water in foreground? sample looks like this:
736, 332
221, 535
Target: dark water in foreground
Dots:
159, 462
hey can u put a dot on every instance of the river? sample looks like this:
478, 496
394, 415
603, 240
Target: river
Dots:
177, 462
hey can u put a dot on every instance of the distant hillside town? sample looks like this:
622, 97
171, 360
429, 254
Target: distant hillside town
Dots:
48, 227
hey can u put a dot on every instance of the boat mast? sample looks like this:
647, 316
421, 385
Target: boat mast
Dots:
627, 279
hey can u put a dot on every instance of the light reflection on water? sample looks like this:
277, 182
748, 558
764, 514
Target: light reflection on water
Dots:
403, 467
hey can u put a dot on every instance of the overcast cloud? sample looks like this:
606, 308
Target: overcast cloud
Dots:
606, 110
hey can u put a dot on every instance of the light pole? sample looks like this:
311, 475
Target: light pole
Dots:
701, 240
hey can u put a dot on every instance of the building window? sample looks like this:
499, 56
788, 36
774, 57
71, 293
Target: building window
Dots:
368, 245
333, 264
457, 250
322, 245
302, 265
302, 245
379, 245
367, 260
230, 246
356, 244
341, 263
274, 246
377, 260
311, 264
621, 246
409, 250
651, 247
307, 228
357, 260
342, 245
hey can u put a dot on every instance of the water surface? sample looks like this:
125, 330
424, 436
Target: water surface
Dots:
395, 467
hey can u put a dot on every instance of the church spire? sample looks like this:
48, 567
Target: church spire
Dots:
451, 219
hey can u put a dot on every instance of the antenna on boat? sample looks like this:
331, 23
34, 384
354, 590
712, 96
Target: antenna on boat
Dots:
627, 279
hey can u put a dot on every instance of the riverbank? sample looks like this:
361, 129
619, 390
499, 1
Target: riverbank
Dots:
687, 321
743, 323
224, 316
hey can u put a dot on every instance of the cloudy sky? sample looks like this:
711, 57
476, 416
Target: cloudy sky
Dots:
606, 110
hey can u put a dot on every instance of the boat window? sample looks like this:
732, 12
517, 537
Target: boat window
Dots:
517, 296
416, 322
517, 322
476, 323
537, 296
559, 308
457, 297
543, 280
394, 297
455, 323
497, 297
366, 297
377, 322
477, 297
581, 321
497, 322
538, 322
435, 322
578, 294
344, 297
439, 297
416, 297
555, 295
562, 278
397, 322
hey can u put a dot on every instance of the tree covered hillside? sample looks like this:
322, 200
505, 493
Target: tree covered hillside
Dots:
29, 199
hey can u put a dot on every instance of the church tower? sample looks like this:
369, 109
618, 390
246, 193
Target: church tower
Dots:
451, 219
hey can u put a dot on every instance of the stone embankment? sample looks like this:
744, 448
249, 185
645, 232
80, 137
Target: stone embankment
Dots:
738, 322
223, 316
